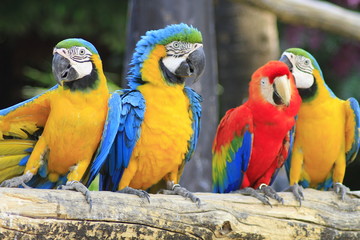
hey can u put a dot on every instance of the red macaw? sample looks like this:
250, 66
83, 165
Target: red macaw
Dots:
252, 140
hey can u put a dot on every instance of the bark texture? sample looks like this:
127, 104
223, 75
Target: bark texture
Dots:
313, 13
60, 214
247, 38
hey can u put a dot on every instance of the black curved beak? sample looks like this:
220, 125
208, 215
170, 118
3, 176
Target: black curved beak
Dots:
193, 66
62, 69
286, 60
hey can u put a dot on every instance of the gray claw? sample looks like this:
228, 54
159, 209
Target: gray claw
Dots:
254, 193
297, 190
270, 192
137, 192
79, 187
341, 190
176, 189
17, 181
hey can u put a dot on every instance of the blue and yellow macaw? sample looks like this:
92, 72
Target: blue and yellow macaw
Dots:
326, 132
63, 135
160, 117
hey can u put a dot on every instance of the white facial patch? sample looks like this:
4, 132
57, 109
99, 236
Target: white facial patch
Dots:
303, 79
302, 70
83, 69
177, 52
267, 90
172, 63
79, 58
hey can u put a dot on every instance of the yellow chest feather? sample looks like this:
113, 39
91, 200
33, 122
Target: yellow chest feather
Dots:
73, 129
320, 134
164, 137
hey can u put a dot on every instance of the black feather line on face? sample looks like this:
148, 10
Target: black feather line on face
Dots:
169, 76
307, 94
87, 82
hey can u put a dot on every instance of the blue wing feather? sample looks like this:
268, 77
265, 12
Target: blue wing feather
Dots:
109, 133
287, 164
351, 154
236, 168
131, 117
195, 106
232, 149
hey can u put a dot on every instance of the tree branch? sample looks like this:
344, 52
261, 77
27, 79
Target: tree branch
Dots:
313, 13
60, 214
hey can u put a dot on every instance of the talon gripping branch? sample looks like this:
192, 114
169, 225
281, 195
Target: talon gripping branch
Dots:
160, 118
57, 137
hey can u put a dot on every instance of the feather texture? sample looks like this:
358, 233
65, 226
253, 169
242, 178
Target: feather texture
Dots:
252, 140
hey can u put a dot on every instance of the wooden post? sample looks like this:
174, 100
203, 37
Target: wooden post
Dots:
247, 38
313, 13
60, 214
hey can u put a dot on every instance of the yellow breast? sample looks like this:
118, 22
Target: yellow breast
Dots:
164, 137
74, 127
320, 130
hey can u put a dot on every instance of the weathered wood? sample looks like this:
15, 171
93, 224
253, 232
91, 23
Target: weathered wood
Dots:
56, 214
243, 45
314, 13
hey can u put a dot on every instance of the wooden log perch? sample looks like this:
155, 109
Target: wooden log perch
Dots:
313, 13
60, 214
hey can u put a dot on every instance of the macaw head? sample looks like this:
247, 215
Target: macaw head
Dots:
76, 63
272, 84
306, 71
167, 56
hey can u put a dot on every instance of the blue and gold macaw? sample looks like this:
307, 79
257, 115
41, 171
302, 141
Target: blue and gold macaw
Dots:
61, 137
326, 132
160, 117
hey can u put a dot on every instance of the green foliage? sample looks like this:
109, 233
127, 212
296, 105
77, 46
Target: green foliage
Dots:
104, 19
30, 29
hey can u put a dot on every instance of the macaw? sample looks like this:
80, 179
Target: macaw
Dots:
252, 140
160, 118
61, 137
326, 132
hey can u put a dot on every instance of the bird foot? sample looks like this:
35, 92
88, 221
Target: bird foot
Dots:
137, 192
340, 189
79, 187
270, 192
254, 193
297, 190
176, 189
17, 181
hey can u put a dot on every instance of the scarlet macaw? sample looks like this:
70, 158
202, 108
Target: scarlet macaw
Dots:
252, 141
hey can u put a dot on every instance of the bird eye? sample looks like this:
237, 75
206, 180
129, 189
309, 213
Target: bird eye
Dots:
176, 44
262, 82
82, 51
307, 62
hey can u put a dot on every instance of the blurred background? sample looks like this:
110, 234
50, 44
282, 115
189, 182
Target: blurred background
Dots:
238, 37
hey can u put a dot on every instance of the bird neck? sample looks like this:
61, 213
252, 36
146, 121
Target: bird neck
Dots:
318, 91
95, 80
